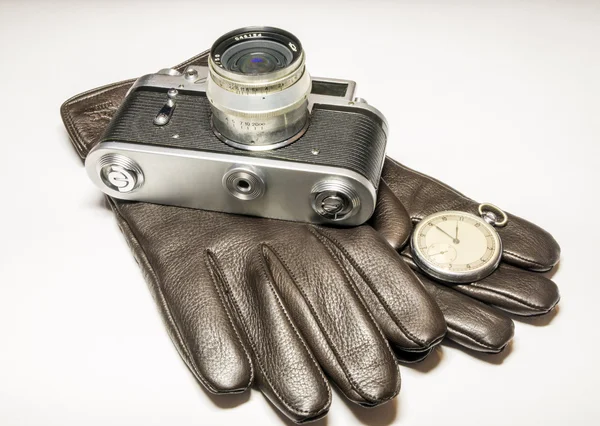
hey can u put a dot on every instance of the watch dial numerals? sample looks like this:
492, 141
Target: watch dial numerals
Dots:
456, 242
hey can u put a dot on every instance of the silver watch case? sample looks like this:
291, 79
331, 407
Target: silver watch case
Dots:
454, 277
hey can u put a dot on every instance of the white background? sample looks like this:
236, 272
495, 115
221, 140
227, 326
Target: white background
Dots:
500, 100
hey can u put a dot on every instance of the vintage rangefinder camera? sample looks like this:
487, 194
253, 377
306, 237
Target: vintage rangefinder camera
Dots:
250, 133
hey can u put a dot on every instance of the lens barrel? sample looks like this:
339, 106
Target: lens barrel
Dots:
258, 88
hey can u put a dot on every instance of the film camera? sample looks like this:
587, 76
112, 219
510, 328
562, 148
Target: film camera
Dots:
250, 133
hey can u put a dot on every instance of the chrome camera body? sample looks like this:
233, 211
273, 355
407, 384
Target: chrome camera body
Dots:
247, 132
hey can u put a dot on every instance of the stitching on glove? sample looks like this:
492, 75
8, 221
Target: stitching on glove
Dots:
226, 309
508, 297
333, 347
454, 329
288, 405
541, 308
476, 340
323, 234
163, 301
541, 265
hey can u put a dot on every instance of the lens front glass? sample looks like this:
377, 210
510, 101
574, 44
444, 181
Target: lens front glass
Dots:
254, 57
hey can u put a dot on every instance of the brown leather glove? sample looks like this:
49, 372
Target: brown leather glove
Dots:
516, 287
279, 304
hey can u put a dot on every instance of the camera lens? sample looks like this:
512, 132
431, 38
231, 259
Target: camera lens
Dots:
258, 88
255, 57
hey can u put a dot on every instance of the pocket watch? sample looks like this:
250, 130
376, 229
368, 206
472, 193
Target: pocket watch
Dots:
459, 247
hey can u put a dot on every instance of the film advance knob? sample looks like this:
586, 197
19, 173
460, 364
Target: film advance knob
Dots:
120, 173
334, 200
333, 204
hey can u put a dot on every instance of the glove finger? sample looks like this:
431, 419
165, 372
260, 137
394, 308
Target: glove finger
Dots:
390, 218
515, 290
286, 370
408, 316
333, 319
525, 245
471, 324
183, 289
528, 246
509, 288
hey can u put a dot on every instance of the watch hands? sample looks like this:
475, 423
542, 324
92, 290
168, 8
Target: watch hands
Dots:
454, 240
456, 237
440, 252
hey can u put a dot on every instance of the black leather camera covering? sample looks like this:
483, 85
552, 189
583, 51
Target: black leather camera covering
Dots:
344, 137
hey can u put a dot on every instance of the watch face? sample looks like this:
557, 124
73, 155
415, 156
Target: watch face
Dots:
456, 247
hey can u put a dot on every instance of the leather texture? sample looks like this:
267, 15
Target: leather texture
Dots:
286, 306
477, 314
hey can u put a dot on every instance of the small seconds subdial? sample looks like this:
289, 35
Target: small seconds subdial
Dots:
442, 253
456, 247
